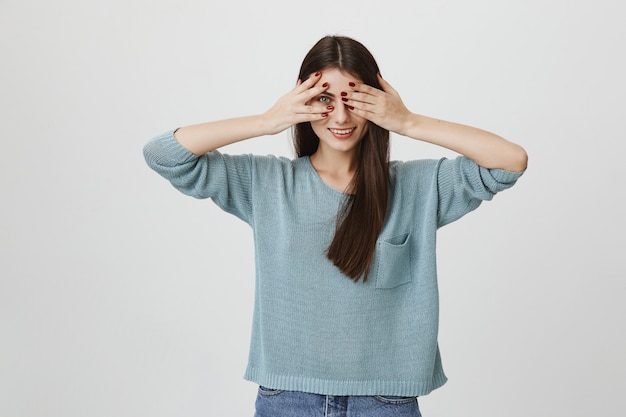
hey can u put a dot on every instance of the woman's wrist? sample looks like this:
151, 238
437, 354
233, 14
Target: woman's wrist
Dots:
412, 126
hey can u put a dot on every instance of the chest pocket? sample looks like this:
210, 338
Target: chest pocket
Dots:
392, 262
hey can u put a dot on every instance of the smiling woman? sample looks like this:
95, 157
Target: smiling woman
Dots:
346, 310
341, 130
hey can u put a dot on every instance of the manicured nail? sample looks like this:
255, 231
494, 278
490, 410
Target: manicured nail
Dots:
324, 114
351, 107
325, 85
330, 108
343, 94
318, 73
351, 84
344, 99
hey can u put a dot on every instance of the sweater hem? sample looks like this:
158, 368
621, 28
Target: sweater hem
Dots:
408, 388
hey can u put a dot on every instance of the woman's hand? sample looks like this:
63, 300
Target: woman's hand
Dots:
385, 108
292, 108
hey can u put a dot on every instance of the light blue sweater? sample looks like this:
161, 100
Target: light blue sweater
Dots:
314, 329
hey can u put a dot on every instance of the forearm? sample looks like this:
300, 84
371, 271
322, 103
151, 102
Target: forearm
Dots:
485, 148
290, 109
206, 137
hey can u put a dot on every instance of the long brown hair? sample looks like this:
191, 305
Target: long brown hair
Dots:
362, 214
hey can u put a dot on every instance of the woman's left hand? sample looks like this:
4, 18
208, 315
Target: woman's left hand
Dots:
385, 108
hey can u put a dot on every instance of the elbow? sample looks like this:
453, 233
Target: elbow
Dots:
519, 160
514, 159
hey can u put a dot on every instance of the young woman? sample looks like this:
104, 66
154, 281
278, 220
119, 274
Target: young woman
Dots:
346, 308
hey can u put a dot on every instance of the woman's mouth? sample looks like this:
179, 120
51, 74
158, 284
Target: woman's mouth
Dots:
342, 133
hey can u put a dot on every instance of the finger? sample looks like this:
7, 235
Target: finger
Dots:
364, 88
364, 113
364, 93
358, 96
309, 82
371, 109
315, 91
386, 86
302, 118
311, 109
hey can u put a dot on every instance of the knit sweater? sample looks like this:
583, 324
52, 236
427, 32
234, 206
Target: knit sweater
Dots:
314, 329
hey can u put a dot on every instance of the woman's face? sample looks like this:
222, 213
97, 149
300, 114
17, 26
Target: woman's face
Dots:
342, 130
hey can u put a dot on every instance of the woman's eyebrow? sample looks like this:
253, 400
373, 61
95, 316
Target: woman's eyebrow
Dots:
327, 93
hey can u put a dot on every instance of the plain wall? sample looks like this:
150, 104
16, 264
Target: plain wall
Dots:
119, 296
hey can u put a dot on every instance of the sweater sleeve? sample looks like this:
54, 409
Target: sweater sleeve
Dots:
224, 178
462, 185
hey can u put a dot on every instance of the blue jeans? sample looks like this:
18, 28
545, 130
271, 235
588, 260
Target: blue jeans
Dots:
279, 403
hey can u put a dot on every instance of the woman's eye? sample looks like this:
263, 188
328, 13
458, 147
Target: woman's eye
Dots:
324, 99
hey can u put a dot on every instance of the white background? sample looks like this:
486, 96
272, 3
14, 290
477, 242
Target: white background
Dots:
121, 297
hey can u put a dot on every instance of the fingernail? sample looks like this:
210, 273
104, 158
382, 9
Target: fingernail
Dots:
344, 99
351, 84
324, 114
325, 85
329, 107
318, 73
343, 94
351, 107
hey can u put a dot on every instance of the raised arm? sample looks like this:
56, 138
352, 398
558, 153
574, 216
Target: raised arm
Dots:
290, 109
386, 109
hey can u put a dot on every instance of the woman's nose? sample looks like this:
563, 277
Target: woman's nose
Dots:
340, 113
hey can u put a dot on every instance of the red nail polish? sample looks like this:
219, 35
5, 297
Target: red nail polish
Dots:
343, 94
351, 107
325, 85
351, 84
344, 99
318, 73
324, 114
330, 108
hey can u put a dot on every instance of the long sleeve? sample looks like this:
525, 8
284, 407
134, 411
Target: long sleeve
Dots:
225, 179
462, 185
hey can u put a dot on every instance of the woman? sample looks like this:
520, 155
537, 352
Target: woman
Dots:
346, 306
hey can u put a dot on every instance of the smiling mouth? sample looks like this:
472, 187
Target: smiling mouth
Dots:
342, 132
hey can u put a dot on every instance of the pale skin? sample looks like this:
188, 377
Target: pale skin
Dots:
332, 99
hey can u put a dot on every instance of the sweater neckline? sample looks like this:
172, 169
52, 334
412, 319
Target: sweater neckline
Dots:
321, 181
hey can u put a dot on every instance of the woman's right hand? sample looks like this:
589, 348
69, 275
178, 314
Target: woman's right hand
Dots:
292, 108
295, 107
